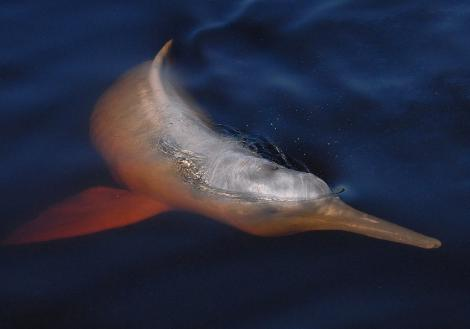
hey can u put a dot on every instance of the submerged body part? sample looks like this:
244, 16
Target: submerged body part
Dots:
161, 147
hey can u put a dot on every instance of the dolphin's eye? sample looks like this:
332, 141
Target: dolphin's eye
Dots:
263, 172
269, 167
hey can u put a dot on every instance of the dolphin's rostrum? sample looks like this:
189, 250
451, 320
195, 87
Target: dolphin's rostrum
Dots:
160, 146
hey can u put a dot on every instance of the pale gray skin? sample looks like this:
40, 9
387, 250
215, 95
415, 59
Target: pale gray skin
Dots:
158, 143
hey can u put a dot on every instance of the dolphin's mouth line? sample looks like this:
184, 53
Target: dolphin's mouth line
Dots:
246, 196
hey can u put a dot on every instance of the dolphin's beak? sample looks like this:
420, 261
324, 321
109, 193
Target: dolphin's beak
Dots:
336, 215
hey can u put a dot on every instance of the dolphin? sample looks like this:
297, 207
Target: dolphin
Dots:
166, 154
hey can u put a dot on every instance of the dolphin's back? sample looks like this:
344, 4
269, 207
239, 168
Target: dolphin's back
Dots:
145, 119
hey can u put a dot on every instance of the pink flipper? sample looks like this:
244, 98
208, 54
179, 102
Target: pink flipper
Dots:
93, 210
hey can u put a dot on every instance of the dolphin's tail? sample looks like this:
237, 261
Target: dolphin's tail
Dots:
93, 210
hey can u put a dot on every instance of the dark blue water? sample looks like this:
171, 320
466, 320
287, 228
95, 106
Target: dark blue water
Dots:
373, 96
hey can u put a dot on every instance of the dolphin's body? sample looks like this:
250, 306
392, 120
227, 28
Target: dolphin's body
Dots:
168, 156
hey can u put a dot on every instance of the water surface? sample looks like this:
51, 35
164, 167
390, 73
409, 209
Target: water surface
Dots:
373, 96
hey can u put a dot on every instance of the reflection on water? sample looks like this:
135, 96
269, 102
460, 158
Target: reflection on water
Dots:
373, 96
